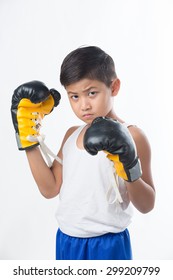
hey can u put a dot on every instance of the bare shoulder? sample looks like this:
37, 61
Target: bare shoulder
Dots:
69, 132
57, 167
139, 137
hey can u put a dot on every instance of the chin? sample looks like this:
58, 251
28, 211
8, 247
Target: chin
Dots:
88, 121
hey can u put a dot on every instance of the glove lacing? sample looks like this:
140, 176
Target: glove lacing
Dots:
114, 186
40, 139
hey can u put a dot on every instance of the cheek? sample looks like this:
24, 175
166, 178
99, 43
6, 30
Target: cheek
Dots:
72, 104
74, 107
105, 104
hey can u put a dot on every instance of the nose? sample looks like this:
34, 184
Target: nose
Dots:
85, 104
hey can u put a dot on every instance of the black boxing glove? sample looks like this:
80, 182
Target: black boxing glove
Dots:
111, 136
30, 103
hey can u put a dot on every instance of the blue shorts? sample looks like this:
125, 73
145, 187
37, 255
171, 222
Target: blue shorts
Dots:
110, 246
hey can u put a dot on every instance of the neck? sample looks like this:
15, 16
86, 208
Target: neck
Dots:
114, 116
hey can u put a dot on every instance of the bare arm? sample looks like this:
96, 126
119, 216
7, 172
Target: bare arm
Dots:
48, 180
48, 184
142, 191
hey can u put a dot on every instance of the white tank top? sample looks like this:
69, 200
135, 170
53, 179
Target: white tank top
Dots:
89, 204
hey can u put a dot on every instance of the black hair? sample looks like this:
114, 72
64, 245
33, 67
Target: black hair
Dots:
87, 62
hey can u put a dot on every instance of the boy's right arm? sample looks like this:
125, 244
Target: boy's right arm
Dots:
47, 179
30, 103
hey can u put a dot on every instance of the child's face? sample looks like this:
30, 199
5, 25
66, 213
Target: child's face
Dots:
90, 99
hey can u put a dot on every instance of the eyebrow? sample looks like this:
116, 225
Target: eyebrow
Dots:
85, 90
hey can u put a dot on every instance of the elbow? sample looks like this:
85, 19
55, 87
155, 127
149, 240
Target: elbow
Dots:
145, 210
147, 207
49, 194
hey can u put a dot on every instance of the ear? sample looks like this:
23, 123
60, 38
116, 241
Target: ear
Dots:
115, 86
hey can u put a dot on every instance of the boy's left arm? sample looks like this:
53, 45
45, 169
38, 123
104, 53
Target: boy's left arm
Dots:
129, 150
142, 192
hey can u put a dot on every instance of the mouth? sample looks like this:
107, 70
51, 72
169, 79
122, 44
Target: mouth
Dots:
88, 116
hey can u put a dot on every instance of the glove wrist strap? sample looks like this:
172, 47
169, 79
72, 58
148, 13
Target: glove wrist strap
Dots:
44, 149
135, 172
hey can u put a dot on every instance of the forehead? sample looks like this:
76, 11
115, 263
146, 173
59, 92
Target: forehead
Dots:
84, 85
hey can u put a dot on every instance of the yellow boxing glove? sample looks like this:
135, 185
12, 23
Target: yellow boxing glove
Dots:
30, 103
109, 135
118, 166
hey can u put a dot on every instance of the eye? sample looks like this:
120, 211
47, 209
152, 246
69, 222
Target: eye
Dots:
92, 93
74, 97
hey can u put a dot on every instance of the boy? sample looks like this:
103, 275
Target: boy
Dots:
94, 208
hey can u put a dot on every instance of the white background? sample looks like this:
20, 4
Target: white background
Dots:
35, 36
